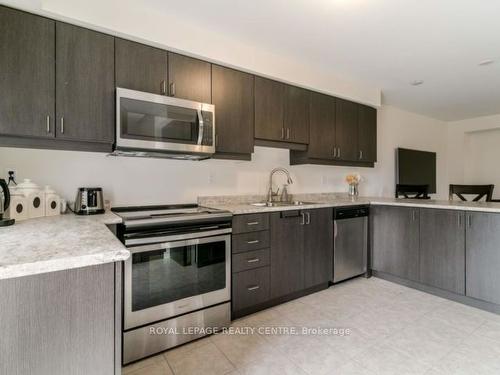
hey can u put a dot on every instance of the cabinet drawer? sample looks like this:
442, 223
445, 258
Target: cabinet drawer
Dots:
250, 241
250, 288
250, 260
250, 223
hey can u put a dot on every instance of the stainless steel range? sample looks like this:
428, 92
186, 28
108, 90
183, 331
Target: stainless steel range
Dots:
177, 280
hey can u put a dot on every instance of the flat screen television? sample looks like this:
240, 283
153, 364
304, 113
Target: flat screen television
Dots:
415, 167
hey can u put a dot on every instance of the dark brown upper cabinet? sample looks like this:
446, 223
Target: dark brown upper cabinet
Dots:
141, 67
269, 103
233, 97
27, 74
346, 130
281, 114
85, 84
296, 118
321, 127
367, 133
189, 78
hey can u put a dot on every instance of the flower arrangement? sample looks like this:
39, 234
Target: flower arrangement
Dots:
353, 180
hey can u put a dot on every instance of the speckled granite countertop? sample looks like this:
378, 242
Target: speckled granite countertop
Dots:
58, 243
240, 205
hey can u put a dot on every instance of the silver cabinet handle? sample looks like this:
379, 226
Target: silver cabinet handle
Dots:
253, 241
254, 260
282, 133
62, 125
172, 89
253, 223
287, 133
48, 124
308, 218
164, 87
361, 154
303, 221
469, 220
216, 140
252, 288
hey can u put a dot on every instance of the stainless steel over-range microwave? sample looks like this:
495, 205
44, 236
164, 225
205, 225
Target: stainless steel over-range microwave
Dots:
152, 125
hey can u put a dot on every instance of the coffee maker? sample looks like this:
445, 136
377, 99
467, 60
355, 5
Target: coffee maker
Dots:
4, 204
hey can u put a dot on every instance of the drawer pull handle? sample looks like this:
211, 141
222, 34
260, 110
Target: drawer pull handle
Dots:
252, 288
254, 260
253, 223
253, 241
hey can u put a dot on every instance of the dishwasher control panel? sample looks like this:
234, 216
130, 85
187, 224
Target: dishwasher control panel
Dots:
351, 212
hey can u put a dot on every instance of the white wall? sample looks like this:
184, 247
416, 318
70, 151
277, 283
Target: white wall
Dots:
474, 151
149, 181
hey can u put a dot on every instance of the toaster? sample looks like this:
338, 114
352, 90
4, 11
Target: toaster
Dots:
89, 201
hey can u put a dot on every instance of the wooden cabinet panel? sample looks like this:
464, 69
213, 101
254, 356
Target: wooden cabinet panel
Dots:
442, 249
59, 322
395, 241
140, 67
287, 253
321, 126
483, 256
250, 223
250, 260
346, 130
189, 78
296, 114
250, 288
269, 109
318, 247
250, 241
233, 97
85, 85
367, 133
27, 74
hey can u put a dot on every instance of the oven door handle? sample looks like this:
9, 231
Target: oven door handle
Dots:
178, 237
173, 244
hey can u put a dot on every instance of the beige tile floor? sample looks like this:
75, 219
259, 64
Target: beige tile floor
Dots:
393, 330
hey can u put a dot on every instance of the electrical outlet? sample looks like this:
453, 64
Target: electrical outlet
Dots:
324, 180
211, 178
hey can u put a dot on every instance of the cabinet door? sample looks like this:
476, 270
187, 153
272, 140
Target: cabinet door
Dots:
85, 84
483, 256
367, 133
287, 253
395, 241
140, 67
269, 107
189, 78
296, 115
346, 130
442, 249
232, 95
318, 247
321, 126
27, 74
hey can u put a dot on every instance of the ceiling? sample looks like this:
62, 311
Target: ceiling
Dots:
384, 43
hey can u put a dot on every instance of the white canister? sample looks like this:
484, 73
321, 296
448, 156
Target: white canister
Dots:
52, 205
35, 199
18, 208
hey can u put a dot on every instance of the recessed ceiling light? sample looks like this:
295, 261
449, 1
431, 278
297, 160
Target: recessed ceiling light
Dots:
416, 82
486, 62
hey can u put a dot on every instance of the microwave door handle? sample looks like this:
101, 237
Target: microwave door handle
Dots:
200, 127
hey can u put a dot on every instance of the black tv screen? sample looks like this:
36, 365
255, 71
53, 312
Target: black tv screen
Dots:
415, 167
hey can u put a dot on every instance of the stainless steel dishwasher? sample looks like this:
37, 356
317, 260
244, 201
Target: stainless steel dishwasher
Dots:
350, 242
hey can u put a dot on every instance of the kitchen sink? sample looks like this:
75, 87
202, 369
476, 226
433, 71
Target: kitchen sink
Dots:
281, 204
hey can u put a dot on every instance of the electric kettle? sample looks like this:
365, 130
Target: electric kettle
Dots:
4, 204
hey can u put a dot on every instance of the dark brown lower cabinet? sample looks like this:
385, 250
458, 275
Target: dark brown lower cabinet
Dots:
483, 256
250, 288
395, 241
287, 253
442, 249
318, 247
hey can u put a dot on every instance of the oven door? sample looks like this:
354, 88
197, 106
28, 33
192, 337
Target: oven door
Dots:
172, 278
160, 123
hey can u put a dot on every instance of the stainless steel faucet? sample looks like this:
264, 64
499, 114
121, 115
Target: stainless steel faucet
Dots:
270, 193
